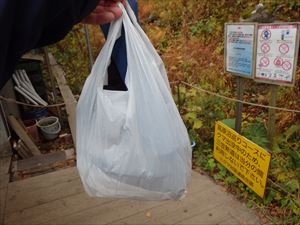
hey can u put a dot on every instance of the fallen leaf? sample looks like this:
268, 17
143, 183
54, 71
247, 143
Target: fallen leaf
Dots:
148, 214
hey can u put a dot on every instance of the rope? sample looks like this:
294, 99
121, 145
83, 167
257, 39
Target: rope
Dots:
282, 189
236, 100
10, 100
172, 82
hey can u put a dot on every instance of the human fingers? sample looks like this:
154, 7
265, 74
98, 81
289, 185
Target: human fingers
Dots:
106, 12
96, 19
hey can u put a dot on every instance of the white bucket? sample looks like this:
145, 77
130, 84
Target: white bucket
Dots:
50, 127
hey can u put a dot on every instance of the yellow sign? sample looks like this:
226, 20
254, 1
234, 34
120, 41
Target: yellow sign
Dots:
246, 160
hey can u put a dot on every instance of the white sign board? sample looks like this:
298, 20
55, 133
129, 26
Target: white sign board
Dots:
277, 50
239, 48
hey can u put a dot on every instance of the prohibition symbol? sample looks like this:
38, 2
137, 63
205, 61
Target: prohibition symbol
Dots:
278, 61
266, 34
284, 48
265, 48
287, 66
264, 62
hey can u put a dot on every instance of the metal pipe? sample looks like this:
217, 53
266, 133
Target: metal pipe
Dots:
20, 77
25, 95
25, 85
26, 78
36, 96
27, 82
89, 48
33, 96
23, 81
16, 80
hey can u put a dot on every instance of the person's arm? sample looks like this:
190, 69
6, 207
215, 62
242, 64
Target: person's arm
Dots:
29, 24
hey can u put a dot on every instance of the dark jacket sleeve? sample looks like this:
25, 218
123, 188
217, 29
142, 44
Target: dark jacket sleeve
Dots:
28, 24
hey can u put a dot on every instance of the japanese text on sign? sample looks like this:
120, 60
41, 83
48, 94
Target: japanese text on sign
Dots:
246, 160
276, 53
239, 49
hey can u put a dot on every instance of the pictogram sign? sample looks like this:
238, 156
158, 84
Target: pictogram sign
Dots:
276, 53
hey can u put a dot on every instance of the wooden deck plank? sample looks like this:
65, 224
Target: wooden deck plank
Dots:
119, 209
208, 201
198, 184
23, 135
44, 181
59, 198
52, 212
33, 57
4, 180
174, 211
3, 192
40, 161
229, 210
104, 214
4, 165
39, 194
66, 93
38, 197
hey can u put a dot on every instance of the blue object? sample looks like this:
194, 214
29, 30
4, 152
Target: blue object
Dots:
119, 54
29, 24
35, 114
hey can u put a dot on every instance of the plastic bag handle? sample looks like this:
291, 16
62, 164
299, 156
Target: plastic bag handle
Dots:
103, 60
129, 20
130, 13
145, 38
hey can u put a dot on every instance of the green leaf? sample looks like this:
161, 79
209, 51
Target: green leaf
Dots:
257, 133
211, 165
250, 204
218, 177
231, 180
295, 156
221, 167
278, 196
293, 206
198, 124
229, 122
191, 115
296, 210
270, 197
282, 177
292, 185
292, 130
276, 147
284, 202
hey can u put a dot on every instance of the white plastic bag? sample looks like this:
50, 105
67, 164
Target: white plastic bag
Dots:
132, 144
